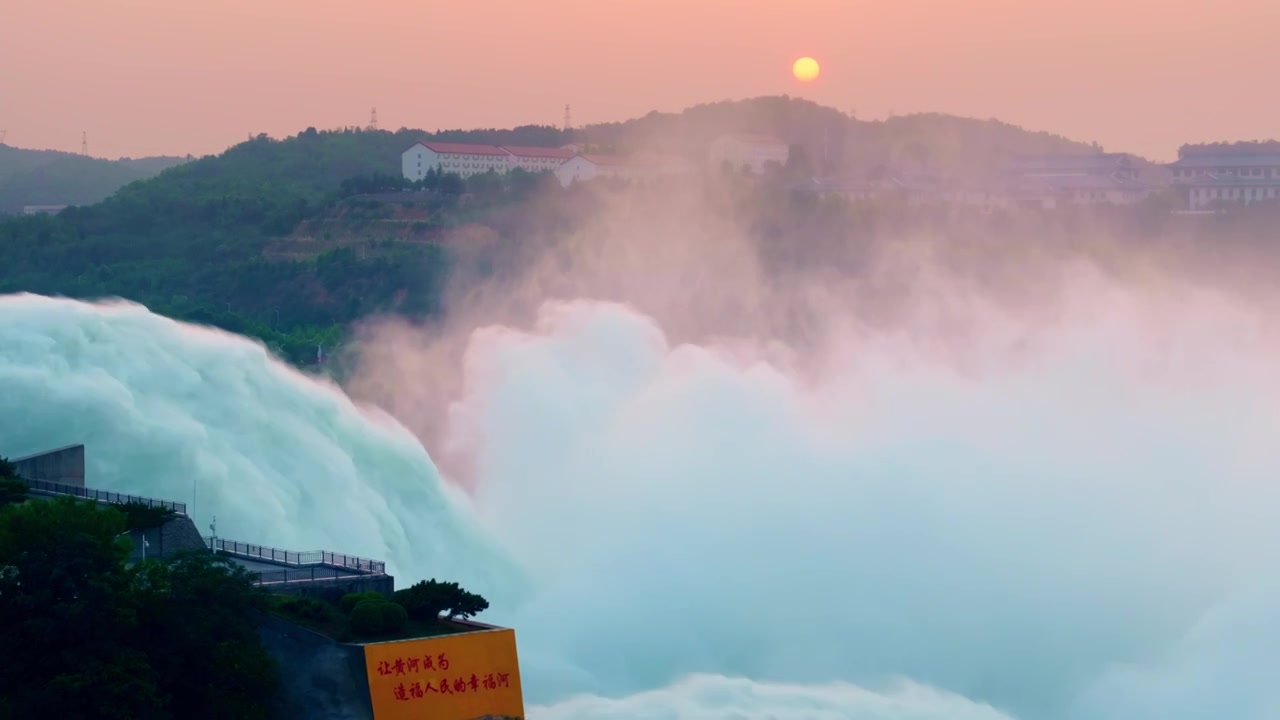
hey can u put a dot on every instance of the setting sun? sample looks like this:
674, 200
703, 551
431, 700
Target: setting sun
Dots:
806, 69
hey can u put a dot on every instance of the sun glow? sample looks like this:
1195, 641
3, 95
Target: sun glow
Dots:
806, 69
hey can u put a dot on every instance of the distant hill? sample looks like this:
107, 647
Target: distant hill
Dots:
49, 177
836, 142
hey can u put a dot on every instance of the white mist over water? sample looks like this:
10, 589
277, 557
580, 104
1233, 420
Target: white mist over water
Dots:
1082, 531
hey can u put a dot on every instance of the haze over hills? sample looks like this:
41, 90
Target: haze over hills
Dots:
270, 238
947, 143
51, 177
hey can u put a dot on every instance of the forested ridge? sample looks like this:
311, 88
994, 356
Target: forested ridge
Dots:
291, 240
49, 177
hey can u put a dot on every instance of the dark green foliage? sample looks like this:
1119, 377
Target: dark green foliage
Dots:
427, 600
350, 600
12, 488
151, 640
394, 617
139, 516
306, 608
371, 617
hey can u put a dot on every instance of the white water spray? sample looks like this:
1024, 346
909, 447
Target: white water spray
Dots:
1084, 533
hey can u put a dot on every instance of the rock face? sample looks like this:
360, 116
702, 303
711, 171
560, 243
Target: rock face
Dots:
320, 678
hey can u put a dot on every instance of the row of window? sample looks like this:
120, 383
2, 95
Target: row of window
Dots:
1246, 194
1228, 172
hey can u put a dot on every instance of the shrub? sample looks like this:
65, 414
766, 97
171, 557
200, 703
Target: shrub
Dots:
12, 490
350, 600
394, 617
377, 617
306, 608
139, 516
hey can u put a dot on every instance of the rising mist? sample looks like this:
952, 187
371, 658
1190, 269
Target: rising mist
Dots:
949, 467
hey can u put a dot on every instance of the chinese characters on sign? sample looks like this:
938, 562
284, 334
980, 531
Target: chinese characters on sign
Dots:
452, 677
458, 684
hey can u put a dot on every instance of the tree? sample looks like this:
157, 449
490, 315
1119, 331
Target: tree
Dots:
428, 600
140, 516
12, 488
109, 640
63, 574
197, 624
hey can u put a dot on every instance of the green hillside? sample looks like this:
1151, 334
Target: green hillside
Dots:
48, 177
281, 239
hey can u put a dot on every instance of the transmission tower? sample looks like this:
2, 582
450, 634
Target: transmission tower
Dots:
373, 119
84, 143
2, 132
568, 122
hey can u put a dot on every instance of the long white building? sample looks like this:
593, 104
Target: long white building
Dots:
460, 158
470, 159
1211, 177
538, 159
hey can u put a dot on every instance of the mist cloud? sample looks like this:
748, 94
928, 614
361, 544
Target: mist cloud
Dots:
964, 481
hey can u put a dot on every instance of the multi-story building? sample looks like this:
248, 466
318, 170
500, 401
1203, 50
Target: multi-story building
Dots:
581, 168
754, 152
471, 159
1211, 176
460, 158
1082, 178
538, 159
640, 166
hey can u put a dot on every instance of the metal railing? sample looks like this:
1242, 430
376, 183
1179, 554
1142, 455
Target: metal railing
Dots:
301, 559
106, 496
315, 573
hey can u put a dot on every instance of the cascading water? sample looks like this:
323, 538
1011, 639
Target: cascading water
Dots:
686, 532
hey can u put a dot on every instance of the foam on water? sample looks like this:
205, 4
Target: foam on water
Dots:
689, 532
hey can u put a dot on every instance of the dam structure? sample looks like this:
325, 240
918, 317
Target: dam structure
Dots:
61, 473
461, 670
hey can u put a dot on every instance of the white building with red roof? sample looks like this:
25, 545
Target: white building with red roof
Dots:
755, 152
461, 158
640, 166
468, 159
582, 168
538, 159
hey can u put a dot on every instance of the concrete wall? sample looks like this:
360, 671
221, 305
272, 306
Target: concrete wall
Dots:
64, 465
320, 678
173, 537
333, 590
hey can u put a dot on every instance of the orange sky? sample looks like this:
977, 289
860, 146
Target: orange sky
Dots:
173, 76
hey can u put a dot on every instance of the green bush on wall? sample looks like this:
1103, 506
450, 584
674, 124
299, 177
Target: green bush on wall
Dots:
377, 617
350, 600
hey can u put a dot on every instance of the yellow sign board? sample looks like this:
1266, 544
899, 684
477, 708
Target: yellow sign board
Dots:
450, 677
